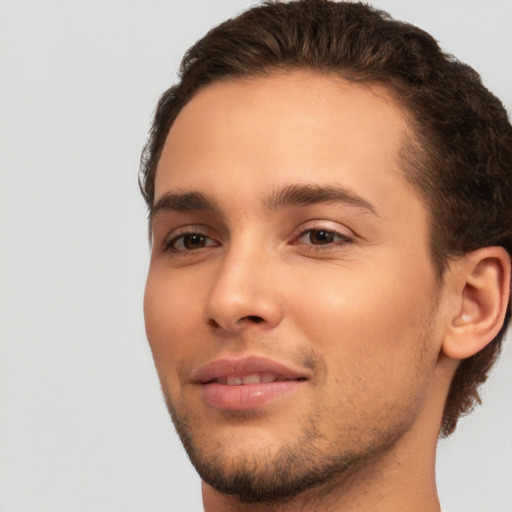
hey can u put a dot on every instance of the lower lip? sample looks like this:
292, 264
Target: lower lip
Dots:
249, 396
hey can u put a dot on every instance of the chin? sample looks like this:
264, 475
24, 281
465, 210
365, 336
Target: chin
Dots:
257, 469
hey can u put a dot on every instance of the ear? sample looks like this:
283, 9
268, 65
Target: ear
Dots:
480, 282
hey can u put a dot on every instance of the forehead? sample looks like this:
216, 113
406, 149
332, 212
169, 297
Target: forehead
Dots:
284, 128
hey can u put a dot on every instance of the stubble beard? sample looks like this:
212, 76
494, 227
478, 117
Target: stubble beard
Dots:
311, 461
287, 471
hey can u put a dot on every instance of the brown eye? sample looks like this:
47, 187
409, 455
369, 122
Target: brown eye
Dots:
321, 236
190, 242
193, 241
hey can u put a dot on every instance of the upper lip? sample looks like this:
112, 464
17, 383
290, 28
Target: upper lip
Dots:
230, 367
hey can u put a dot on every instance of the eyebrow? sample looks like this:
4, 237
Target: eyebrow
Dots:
295, 195
183, 202
309, 194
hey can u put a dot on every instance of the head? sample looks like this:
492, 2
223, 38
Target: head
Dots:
454, 155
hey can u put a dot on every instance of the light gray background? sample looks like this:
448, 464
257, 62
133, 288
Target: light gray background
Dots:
83, 427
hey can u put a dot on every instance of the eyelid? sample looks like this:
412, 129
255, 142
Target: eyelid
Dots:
321, 225
189, 229
342, 236
340, 231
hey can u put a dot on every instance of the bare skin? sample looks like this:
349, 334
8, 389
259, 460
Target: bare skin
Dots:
285, 233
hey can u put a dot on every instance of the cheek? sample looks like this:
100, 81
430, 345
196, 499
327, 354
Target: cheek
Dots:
373, 324
171, 318
373, 339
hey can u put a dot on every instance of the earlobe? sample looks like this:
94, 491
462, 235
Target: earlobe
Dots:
481, 280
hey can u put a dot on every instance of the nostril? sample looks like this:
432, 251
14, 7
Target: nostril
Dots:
240, 323
253, 318
212, 323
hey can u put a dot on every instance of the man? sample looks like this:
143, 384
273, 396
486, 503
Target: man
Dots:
329, 200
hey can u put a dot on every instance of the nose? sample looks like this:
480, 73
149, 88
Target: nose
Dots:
244, 294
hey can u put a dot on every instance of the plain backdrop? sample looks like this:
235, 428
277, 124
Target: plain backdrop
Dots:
83, 427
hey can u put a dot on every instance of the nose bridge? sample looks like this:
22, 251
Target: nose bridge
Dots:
243, 293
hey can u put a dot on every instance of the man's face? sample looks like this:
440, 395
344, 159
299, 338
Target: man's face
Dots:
290, 303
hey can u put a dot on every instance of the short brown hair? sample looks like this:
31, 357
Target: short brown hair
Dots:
460, 161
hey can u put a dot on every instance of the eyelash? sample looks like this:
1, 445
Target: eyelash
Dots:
169, 244
342, 239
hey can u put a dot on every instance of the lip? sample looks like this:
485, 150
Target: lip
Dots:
239, 367
246, 396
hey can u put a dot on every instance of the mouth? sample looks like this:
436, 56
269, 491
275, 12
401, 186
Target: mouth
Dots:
248, 383
253, 378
